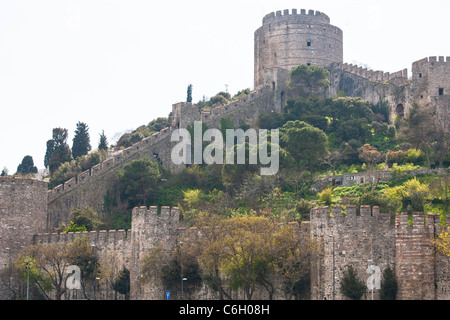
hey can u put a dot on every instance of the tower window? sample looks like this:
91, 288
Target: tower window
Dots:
420, 75
441, 91
400, 110
308, 43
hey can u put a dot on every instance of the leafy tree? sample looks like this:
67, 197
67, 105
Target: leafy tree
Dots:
246, 258
122, 283
395, 157
349, 152
419, 128
378, 199
350, 109
158, 124
271, 121
326, 196
137, 181
111, 271
103, 144
27, 166
370, 155
246, 252
50, 261
305, 142
26, 270
292, 255
334, 157
352, 287
159, 266
381, 111
183, 261
389, 286
218, 99
241, 93
73, 227
442, 242
88, 218
308, 79
81, 141
440, 188
4, 172
80, 253
441, 145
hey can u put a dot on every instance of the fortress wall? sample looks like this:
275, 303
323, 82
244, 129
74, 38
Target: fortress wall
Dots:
415, 257
150, 227
349, 240
246, 110
23, 209
348, 80
148, 231
406, 247
90, 187
113, 250
376, 76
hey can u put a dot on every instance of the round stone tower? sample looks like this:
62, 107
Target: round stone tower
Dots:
289, 39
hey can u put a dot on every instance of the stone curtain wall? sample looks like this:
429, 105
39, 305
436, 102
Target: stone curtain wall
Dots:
148, 231
415, 258
23, 213
407, 248
349, 240
423, 274
107, 244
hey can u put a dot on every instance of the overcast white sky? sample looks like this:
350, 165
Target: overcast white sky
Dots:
116, 65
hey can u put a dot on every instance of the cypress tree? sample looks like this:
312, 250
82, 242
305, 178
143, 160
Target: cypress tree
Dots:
389, 286
351, 286
103, 144
81, 141
189, 94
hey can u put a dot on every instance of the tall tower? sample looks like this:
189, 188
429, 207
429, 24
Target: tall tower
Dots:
287, 40
23, 213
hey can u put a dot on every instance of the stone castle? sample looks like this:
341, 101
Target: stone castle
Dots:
29, 212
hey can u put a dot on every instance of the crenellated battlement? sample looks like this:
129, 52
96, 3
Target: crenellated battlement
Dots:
150, 215
376, 76
428, 224
7, 182
349, 211
297, 14
219, 112
99, 238
113, 162
439, 60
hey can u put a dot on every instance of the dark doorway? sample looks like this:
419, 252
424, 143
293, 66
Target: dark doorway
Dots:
400, 110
